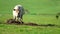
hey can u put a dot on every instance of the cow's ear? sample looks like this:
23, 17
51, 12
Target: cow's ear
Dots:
26, 11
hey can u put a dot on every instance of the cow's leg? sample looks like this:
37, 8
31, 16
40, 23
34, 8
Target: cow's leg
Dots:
20, 18
14, 17
17, 19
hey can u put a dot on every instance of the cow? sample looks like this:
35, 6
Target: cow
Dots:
57, 15
18, 13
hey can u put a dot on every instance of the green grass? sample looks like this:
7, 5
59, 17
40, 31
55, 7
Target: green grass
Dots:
35, 7
22, 29
42, 19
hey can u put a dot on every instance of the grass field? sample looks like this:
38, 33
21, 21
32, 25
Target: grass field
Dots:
40, 12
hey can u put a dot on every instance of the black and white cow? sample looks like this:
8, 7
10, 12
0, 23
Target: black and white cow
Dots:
18, 12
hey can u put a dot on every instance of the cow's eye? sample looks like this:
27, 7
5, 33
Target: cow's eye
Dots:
14, 9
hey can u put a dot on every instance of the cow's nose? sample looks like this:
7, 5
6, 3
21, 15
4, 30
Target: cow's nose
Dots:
14, 9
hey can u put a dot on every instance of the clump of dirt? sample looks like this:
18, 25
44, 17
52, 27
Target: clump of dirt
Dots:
10, 21
32, 24
47, 25
51, 25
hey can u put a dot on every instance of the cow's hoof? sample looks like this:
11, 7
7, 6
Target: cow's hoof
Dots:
18, 22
